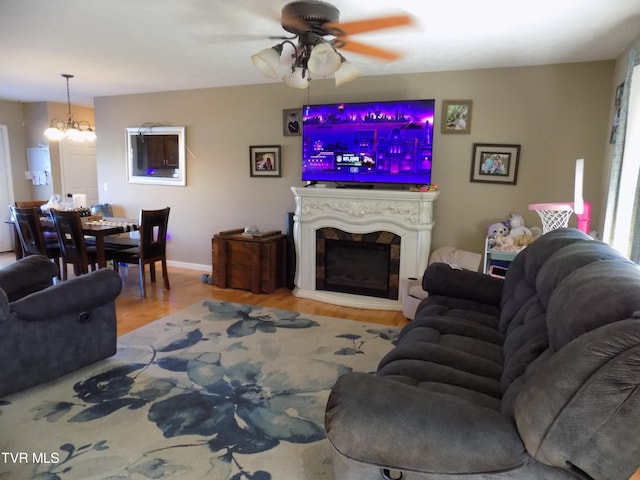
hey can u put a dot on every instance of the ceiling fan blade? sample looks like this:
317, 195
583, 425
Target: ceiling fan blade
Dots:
361, 26
365, 49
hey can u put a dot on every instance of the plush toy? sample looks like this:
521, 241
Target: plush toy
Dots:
522, 236
497, 234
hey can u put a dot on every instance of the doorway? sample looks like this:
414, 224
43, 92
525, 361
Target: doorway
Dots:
6, 191
78, 170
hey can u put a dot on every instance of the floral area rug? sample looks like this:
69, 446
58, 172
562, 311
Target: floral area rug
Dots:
217, 391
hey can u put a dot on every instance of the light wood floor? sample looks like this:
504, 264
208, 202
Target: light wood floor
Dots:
187, 288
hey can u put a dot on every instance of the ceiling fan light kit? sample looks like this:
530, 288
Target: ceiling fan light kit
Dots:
310, 21
324, 60
346, 72
70, 129
267, 61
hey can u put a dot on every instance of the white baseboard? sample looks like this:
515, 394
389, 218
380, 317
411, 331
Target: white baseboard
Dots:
190, 266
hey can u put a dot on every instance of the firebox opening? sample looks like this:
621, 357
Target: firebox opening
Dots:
366, 264
357, 267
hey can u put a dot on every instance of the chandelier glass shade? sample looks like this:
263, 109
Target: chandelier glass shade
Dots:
315, 57
70, 129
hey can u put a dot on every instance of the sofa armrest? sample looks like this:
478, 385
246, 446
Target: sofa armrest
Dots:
78, 294
27, 275
445, 280
369, 419
582, 407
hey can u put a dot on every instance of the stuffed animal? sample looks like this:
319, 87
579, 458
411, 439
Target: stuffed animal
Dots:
497, 233
521, 235
498, 229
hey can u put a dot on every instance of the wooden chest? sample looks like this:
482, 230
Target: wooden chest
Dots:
248, 262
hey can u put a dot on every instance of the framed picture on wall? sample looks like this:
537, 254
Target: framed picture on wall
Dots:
291, 122
495, 163
264, 161
456, 116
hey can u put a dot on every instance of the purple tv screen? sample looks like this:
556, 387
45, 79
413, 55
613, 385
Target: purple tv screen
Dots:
373, 142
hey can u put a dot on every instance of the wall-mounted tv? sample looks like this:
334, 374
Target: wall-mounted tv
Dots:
371, 142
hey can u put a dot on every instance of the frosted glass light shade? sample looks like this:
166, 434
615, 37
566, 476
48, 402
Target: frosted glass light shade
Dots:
295, 79
346, 73
324, 60
267, 61
53, 133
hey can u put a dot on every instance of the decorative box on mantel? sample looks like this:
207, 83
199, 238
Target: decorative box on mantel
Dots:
353, 246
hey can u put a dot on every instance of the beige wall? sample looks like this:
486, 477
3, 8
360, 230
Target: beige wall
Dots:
11, 115
556, 113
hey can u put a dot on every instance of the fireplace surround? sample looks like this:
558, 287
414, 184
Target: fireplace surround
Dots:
407, 215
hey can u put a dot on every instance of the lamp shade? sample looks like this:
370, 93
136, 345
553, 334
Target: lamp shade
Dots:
346, 72
324, 60
296, 79
267, 61
52, 133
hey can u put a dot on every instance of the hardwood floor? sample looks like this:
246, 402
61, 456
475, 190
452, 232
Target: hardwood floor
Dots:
187, 288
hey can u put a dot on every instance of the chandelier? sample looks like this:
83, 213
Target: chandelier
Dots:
70, 129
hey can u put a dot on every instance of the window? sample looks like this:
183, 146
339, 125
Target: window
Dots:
622, 222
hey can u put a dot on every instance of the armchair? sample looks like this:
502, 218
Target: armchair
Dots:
50, 330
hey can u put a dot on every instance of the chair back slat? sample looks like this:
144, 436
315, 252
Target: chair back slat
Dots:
29, 228
68, 226
153, 233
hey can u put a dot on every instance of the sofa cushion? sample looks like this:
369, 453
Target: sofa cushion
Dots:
584, 301
453, 350
520, 282
446, 280
580, 405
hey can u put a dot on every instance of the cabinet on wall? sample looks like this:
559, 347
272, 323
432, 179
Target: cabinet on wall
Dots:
157, 151
248, 262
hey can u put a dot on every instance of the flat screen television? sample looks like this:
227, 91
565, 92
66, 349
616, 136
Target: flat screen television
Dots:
370, 142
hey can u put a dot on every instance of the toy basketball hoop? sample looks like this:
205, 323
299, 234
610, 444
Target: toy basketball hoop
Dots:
553, 215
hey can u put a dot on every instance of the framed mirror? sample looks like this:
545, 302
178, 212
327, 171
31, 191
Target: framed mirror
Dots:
156, 155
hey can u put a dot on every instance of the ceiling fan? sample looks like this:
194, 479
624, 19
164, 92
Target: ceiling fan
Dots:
319, 35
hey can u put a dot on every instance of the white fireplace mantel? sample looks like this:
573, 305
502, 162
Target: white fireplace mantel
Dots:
407, 214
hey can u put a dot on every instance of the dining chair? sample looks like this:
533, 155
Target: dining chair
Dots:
74, 248
31, 203
29, 229
152, 247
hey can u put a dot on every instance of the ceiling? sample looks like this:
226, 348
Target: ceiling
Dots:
116, 47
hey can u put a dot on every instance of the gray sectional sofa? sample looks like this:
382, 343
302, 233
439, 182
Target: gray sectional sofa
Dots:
49, 330
532, 377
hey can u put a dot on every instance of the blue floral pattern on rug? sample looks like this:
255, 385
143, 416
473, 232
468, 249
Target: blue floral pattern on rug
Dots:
220, 382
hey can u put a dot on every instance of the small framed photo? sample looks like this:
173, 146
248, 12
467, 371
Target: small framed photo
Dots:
264, 161
456, 116
493, 163
291, 122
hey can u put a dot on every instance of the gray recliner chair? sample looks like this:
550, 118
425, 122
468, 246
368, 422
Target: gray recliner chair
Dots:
50, 330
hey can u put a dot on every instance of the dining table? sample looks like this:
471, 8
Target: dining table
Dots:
97, 227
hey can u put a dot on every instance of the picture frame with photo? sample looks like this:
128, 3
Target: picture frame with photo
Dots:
292, 122
495, 163
456, 116
264, 161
